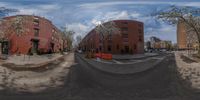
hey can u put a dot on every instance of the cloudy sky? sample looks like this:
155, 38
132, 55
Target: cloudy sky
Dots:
81, 15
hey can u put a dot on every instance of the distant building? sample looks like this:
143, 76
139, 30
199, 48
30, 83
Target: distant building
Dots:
156, 43
166, 44
154, 39
129, 41
37, 35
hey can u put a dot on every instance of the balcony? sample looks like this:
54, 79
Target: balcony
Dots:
36, 32
36, 26
36, 23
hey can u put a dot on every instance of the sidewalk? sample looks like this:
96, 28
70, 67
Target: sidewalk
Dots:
25, 61
189, 71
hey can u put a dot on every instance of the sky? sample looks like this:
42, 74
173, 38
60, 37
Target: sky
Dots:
82, 15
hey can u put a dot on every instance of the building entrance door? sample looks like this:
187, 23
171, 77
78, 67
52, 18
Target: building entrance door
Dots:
126, 49
35, 44
52, 48
4, 47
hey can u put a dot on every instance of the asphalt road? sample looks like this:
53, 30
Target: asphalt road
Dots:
160, 83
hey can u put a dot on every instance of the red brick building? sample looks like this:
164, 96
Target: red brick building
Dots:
130, 39
181, 36
23, 34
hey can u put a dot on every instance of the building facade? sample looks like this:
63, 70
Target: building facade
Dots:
181, 36
129, 40
23, 34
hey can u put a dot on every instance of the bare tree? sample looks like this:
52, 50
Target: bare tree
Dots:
184, 15
69, 37
78, 40
14, 26
4, 12
17, 25
11, 27
106, 31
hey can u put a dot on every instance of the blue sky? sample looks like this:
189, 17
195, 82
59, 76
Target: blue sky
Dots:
82, 15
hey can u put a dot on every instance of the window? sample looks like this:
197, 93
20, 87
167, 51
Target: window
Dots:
140, 25
36, 32
125, 40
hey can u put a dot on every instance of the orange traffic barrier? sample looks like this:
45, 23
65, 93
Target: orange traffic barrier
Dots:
104, 56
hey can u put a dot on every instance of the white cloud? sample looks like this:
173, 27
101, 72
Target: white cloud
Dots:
116, 15
165, 32
96, 22
192, 4
40, 9
104, 17
49, 7
97, 5
83, 29
135, 15
79, 28
2, 4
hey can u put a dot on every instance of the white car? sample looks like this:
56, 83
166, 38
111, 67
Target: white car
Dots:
79, 51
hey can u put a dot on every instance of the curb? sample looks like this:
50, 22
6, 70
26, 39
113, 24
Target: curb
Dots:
136, 58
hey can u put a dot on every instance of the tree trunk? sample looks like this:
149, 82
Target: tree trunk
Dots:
103, 47
198, 50
103, 43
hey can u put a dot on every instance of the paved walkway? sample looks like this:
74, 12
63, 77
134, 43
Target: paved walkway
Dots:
35, 59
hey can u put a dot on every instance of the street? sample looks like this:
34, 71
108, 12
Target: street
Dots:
160, 83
